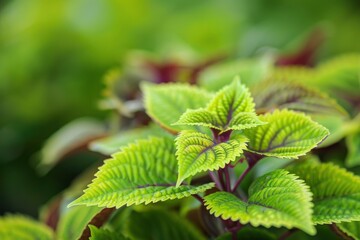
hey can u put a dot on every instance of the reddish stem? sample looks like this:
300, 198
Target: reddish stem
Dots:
201, 200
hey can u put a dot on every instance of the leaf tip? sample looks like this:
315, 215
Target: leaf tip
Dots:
74, 203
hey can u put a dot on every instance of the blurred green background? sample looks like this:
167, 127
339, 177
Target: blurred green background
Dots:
53, 55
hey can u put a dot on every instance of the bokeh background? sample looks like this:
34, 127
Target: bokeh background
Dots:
53, 55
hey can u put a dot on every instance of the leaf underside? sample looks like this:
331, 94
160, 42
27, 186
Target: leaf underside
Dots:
275, 94
21, 227
336, 192
144, 172
351, 229
276, 199
165, 103
198, 152
287, 135
74, 221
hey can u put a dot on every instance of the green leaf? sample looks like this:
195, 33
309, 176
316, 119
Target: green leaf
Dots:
340, 74
72, 136
276, 199
221, 74
249, 233
230, 101
353, 146
287, 135
351, 229
232, 108
104, 234
205, 118
23, 228
165, 103
275, 94
336, 192
199, 117
144, 172
74, 221
112, 144
198, 152
161, 224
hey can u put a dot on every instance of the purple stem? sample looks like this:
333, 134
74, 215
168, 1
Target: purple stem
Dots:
201, 200
249, 167
227, 179
216, 181
221, 178
287, 234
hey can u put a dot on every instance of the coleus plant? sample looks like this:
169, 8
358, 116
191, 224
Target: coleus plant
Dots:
214, 133
203, 152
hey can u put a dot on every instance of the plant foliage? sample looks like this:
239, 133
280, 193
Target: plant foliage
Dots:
197, 152
24, 228
167, 102
144, 172
287, 135
275, 199
336, 199
221, 150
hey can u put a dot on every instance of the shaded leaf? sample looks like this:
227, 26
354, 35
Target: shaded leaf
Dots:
336, 192
23, 228
276, 199
287, 135
74, 221
341, 73
221, 74
161, 224
353, 146
74, 135
198, 152
248, 233
104, 234
351, 229
112, 144
165, 103
144, 172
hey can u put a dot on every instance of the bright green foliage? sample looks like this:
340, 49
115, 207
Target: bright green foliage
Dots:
291, 95
198, 152
275, 199
144, 172
287, 135
351, 229
167, 102
229, 102
23, 228
336, 192
104, 234
112, 144
74, 221
353, 145
160, 224
249, 233
203, 117
232, 108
